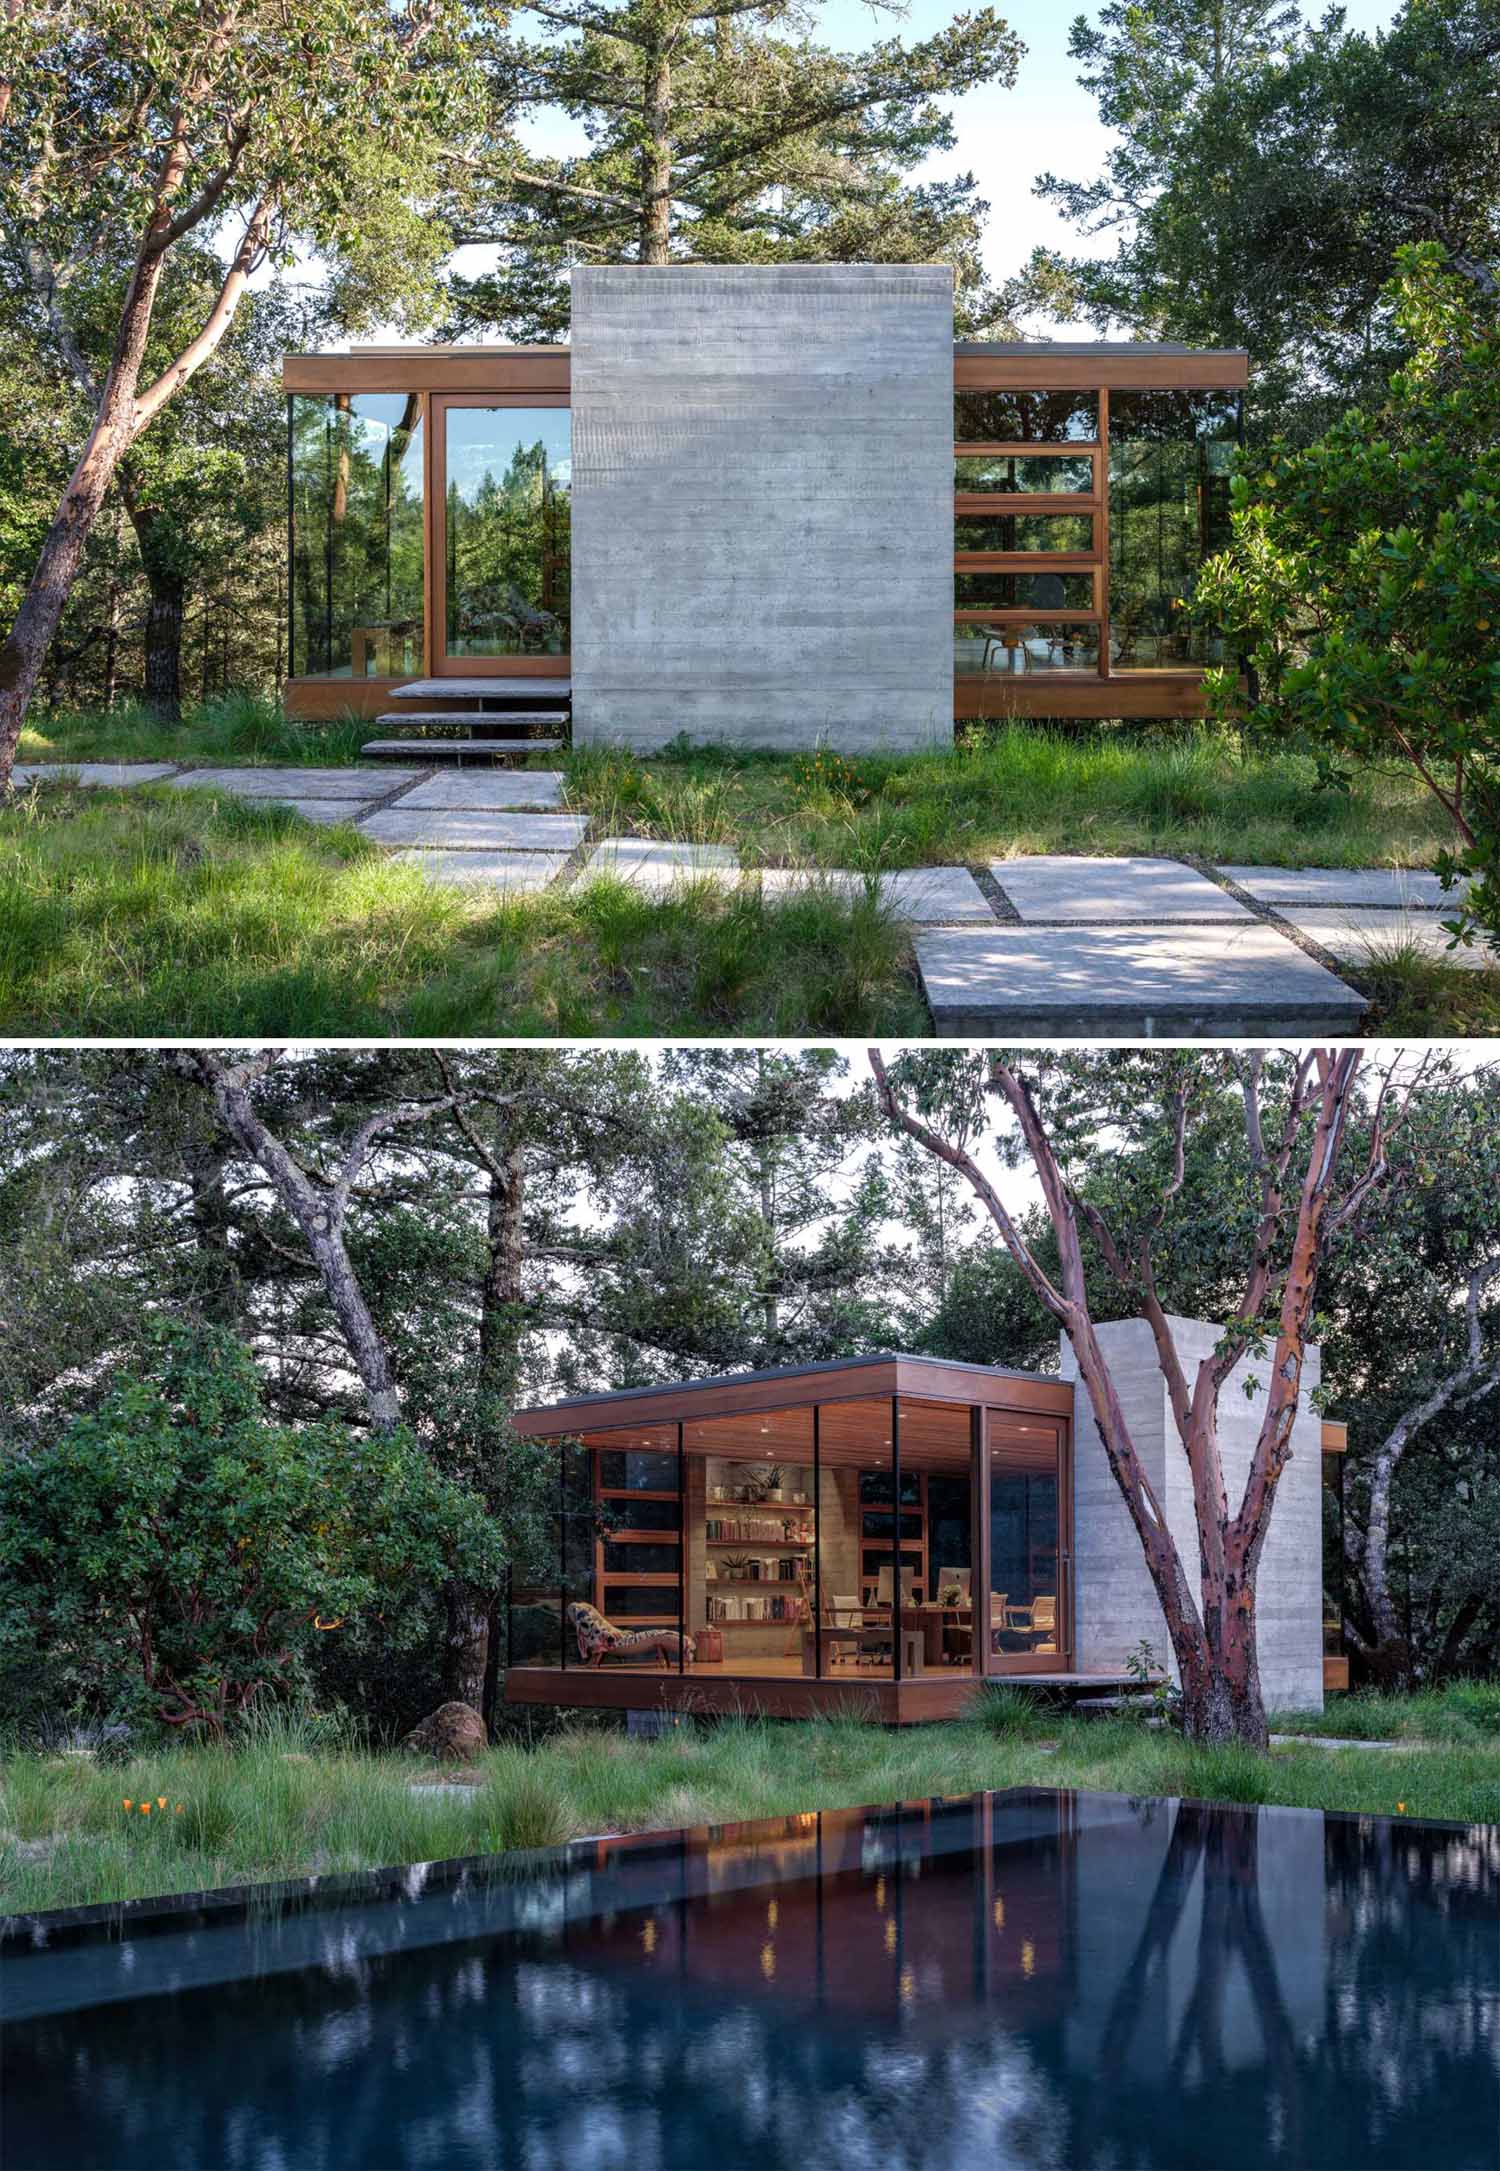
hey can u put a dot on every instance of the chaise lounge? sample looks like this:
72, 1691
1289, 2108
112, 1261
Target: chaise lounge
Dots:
599, 1639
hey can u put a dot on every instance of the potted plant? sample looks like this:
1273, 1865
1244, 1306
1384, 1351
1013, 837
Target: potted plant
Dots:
774, 1482
736, 1566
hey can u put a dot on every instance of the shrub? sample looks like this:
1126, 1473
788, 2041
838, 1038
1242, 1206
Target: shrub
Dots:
1003, 1710
177, 1545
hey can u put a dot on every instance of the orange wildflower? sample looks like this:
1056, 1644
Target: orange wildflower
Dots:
145, 1809
127, 1803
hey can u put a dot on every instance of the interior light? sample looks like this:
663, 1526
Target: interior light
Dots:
1028, 1958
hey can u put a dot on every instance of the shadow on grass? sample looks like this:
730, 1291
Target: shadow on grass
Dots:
149, 912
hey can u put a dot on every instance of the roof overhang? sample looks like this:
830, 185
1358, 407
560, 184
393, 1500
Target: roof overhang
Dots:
846, 1379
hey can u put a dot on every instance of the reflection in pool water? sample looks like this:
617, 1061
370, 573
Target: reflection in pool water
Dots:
1024, 1978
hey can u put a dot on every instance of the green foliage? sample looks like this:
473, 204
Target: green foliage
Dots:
731, 139
174, 1534
1003, 1711
1262, 173
1363, 582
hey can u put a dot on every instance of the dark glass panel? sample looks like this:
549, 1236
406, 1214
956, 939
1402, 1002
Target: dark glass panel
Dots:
637, 1471
640, 1559
949, 1526
1170, 459
1023, 591
642, 1514
1070, 475
356, 534
1027, 531
876, 1523
508, 473
1018, 418
634, 1602
981, 651
875, 1488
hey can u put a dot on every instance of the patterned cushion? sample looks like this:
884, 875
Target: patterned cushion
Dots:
597, 1636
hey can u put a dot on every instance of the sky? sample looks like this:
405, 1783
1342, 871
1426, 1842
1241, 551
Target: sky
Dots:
1005, 137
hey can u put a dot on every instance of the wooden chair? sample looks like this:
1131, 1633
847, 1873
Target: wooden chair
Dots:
1041, 1621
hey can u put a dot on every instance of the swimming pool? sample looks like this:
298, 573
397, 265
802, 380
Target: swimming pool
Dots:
1021, 1978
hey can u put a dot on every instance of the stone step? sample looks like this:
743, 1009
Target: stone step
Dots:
479, 722
491, 750
551, 691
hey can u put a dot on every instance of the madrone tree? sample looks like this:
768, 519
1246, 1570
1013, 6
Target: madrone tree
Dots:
1294, 1195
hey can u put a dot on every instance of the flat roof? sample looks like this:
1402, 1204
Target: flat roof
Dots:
1106, 349
883, 1371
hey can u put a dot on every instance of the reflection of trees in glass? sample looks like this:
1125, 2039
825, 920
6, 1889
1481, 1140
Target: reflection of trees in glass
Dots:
357, 542
1170, 455
509, 560
1008, 417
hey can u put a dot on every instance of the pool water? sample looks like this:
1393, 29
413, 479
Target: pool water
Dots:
1013, 1979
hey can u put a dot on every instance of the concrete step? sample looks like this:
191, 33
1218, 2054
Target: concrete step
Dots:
491, 750
548, 691
480, 724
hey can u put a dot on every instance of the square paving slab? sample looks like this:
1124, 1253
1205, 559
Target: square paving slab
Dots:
1058, 887
489, 788
489, 870
92, 772
922, 896
1394, 887
472, 826
324, 811
302, 783
1359, 935
1214, 983
657, 866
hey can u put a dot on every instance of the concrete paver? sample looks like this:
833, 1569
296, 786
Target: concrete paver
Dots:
1357, 934
1217, 983
1394, 887
300, 783
116, 773
1057, 886
489, 870
488, 788
656, 866
476, 827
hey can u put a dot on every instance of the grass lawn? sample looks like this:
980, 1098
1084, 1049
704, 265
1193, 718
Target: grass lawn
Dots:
159, 912
286, 1806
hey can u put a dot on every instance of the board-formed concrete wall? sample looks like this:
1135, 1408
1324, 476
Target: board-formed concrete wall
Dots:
1115, 1603
763, 505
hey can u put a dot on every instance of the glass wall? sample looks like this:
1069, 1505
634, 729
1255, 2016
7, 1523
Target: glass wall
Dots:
1011, 418
357, 554
622, 1557
1026, 1595
1014, 475
1001, 649
507, 554
1170, 459
751, 1574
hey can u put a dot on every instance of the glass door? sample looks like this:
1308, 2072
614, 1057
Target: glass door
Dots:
502, 488
1030, 1626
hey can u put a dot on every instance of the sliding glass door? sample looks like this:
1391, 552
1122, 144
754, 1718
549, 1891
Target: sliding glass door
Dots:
502, 496
1030, 1625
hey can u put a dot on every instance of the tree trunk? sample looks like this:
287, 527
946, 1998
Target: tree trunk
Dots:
656, 160
470, 1674
25, 647
163, 675
36, 622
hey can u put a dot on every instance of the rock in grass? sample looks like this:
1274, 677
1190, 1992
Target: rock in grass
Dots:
454, 1734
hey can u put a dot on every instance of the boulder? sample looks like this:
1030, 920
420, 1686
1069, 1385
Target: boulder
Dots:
453, 1734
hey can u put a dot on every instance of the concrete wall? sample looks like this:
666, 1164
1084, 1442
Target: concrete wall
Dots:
1115, 1603
763, 505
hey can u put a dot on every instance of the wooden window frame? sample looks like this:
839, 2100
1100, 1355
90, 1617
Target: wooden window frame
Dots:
441, 664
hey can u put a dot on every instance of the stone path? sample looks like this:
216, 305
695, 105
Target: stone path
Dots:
1045, 947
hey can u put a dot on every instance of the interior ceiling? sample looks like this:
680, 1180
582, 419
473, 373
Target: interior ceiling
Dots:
934, 1436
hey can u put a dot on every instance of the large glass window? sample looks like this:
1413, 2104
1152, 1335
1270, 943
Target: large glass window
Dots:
1027, 1620
1024, 591
356, 534
1030, 531
1007, 650
507, 561
1010, 418
1015, 474
1170, 459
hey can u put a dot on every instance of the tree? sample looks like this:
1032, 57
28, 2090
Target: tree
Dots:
1292, 1202
1264, 173
124, 135
1362, 584
717, 134
177, 1534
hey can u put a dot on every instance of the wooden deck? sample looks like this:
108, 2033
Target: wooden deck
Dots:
766, 1690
